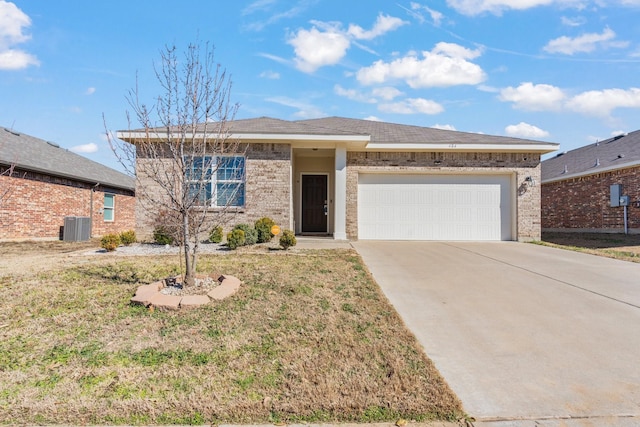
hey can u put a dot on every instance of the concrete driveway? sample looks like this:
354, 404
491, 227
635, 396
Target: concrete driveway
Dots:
520, 331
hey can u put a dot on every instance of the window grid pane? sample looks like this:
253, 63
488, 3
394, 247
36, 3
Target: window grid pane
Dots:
223, 174
108, 208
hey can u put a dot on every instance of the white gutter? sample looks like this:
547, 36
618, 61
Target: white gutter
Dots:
252, 136
593, 172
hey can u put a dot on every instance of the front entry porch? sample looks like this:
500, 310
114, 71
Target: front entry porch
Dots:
319, 192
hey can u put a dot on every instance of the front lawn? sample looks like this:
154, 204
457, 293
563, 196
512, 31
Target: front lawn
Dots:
308, 338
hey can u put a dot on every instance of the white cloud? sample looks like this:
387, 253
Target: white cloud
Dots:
271, 75
585, 43
305, 110
444, 127
13, 23
13, 59
412, 106
598, 103
436, 16
573, 22
315, 48
383, 24
353, 95
326, 43
275, 58
525, 130
601, 103
90, 91
372, 119
476, 7
387, 93
85, 148
540, 97
446, 65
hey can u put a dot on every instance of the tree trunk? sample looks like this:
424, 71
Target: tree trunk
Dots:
189, 276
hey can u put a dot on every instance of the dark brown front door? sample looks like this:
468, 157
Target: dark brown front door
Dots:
314, 203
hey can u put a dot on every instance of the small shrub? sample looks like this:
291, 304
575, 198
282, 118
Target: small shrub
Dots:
235, 238
162, 236
287, 239
263, 227
215, 236
250, 233
110, 242
128, 237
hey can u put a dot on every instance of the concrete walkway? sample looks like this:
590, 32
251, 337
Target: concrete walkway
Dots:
525, 335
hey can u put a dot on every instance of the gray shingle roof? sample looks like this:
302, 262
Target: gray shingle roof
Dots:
37, 155
379, 132
609, 154
267, 125
382, 132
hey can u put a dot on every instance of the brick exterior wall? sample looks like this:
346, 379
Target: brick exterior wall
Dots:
583, 203
36, 204
527, 198
267, 192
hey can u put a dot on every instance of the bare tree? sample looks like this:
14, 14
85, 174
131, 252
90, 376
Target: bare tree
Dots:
183, 147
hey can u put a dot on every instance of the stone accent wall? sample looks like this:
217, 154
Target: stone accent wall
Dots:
527, 198
36, 205
583, 203
267, 192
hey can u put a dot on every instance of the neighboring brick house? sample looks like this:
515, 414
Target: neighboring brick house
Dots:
360, 179
49, 183
576, 187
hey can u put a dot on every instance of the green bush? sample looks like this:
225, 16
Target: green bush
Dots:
263, 227
128, 237
287, 239
215, 236
162, 236
235, 238
250, 233
110, 242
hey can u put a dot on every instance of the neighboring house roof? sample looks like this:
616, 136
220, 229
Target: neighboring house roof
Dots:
367, 134
614, 153
36, 155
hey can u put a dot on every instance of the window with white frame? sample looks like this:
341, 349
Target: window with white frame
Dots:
109, 207
217, 181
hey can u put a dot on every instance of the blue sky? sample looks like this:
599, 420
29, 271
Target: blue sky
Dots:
564, 71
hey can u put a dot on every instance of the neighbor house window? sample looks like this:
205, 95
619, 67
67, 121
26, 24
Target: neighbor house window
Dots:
109, 206
217, 181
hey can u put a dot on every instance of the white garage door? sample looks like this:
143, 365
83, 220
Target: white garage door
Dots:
434, 207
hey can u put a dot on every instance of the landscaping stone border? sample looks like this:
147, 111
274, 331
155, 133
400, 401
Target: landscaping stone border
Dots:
150, 295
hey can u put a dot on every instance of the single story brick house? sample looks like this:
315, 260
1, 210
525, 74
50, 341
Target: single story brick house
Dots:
41, 184
362, 179
576, 187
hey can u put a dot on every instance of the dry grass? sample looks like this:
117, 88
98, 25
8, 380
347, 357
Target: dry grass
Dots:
618, 246
309, 337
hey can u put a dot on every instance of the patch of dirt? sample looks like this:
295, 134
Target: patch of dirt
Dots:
19, 257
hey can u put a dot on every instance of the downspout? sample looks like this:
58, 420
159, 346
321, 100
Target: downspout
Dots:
93, 189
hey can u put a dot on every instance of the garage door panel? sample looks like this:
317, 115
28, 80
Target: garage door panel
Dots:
434, 207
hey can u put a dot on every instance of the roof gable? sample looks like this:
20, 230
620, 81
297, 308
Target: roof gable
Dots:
613, 153
37, 155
